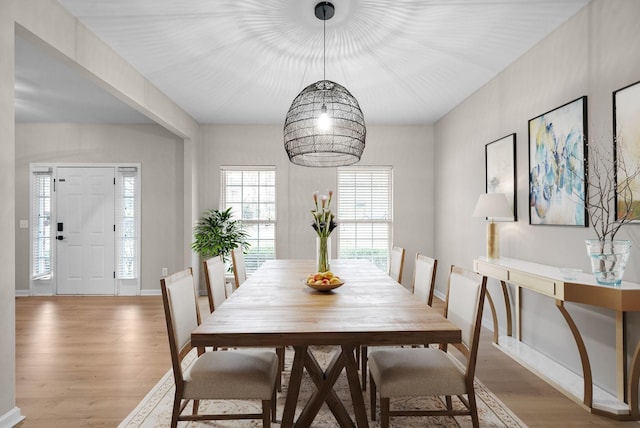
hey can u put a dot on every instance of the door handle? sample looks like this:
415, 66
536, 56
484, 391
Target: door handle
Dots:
59, 237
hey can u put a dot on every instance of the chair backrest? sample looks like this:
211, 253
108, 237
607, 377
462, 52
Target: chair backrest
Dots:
181, 313
424, 278
214, 275
239, 269
463, 306
396, 263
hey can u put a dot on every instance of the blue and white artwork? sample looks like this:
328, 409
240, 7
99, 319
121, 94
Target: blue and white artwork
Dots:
557, 184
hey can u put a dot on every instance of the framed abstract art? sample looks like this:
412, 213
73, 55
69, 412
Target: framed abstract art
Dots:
500, 163
557, 166
626, 138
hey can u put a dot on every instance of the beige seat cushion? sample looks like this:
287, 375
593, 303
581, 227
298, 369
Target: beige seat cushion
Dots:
415, 372
247, 374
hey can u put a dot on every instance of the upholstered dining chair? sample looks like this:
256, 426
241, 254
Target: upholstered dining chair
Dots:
214, 278
396, 263
419, 372
214, 269
230, 375
424, 278
239, 268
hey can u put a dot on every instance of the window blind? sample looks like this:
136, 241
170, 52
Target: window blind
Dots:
365, 217
41, 182
127, 238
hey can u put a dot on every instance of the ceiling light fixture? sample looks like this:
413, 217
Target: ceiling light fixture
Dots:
324, 126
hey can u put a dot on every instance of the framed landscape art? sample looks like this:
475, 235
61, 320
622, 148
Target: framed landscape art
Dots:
500, 162
626, 139
557, 165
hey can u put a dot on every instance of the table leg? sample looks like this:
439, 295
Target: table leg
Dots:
621, 356
518, 307
335, 405
312, 408
634, 379
293, 389
507, 307
494, 316
354, 386
584, 357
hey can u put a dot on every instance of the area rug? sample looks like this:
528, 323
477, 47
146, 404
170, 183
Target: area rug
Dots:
155, 409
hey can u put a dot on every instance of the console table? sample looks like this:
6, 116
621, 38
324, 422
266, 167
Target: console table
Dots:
549, 281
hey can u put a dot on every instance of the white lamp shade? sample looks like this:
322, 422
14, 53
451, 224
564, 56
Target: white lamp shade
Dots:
492, 205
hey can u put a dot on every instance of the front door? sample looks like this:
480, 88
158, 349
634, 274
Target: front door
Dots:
85, 198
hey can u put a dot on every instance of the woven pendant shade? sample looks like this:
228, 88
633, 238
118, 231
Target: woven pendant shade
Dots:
341, 143
324, 126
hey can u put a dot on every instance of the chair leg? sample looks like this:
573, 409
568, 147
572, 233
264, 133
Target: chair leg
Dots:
196, 405
274, 402
280, 354
372, 397
384, 412
363, 361
266, 410
449, 403
176, 411
473, 408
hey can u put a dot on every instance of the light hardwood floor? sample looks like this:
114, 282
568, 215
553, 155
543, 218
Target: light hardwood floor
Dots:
88, 361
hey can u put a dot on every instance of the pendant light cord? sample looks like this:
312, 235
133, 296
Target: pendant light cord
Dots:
324, 43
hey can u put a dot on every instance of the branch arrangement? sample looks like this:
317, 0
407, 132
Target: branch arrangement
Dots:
609, 180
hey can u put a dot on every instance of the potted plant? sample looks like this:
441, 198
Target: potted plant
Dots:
217, 234
610, 183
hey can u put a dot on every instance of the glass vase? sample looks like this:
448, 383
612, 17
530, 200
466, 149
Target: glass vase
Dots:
323, 253
608, 259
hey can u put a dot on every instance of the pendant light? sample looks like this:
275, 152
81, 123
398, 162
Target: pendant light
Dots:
324, 126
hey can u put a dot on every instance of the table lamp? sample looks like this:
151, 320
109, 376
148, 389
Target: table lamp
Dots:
492, 205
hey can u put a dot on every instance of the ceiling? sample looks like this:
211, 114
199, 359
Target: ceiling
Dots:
244, 61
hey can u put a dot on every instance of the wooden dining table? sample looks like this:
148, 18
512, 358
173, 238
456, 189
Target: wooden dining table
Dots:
274, 307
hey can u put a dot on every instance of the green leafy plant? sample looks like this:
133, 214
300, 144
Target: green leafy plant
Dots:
217, 233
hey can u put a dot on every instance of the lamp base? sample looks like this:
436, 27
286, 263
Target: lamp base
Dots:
493, 241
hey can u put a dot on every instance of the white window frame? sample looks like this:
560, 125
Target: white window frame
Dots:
38, 237
224, 204
127, 281
348, 216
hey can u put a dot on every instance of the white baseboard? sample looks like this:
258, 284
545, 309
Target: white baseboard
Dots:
12, 418
26, 293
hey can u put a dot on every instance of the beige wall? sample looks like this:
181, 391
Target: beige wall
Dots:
439, 172
46, 22
593, 54
9, 413
408, 149
160, 154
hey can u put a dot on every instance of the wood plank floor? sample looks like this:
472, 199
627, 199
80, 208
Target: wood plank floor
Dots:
88, 361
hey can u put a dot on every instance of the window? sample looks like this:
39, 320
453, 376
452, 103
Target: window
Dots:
365, 219
251, 194
127, 215
41, 188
